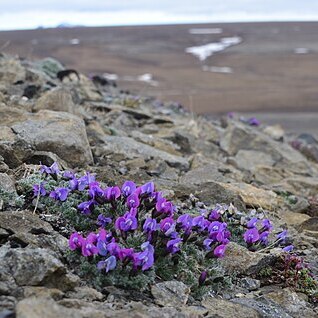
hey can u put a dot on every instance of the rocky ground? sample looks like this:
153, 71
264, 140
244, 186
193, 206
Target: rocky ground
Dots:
87, 126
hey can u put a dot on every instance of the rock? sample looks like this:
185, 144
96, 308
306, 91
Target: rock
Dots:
26, 228
170, 293
49, 66
11, 70
276, 132
250, 283
32, 267
120, 148
61, 133
86, 293
252, 196
42, 292
249, 159
238, 136
226, 309
292, 303
240, 260
201, 175
293, 218
310, 224
7, 314
265, 307
58, 99
6, 183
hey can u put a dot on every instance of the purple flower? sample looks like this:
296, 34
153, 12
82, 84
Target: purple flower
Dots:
173, 246
60, 194
38, 189
144, 259
251, 236
113, 248
112, 193
128, 222
219, 251
203, 277
102, 247
95, 190
217, 231
263, 237
128, 188
253, 121
186, 222
86, 207
84, 181
267, 225
103, 221
88, 245
252, 223
125, 253
73, 184
150, 225
108, 264
133, 201
53, 169
207, 243
164, 206
68, 175
200, 222
288, 248
76, 240
148, 188
214, 215
168, 226
282, 236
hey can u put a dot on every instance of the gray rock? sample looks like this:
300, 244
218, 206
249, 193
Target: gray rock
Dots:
121, 148
250, 283
265, 307
32, 267
170, 293
226, 309
249, 159
61, 133
49, 66
240, 260
238, 136
6, 183
292, 303
58, 99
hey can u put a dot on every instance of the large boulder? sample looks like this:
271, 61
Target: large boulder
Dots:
61, 133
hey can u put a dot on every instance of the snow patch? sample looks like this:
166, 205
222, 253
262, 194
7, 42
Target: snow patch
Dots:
204, 51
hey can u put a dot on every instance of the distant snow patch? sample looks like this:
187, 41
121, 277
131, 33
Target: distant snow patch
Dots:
74, 41
206, 31
301, 50
204, 51
218, 69
110, 76
147, 78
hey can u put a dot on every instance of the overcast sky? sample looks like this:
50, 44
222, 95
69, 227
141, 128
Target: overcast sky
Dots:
26, 14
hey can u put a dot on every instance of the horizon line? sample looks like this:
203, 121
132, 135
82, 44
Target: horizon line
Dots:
74, 26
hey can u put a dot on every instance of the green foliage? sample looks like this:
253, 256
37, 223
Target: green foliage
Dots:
10, 200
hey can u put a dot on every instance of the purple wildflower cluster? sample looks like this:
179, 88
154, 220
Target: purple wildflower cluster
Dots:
148, 215
257, 234
130, 213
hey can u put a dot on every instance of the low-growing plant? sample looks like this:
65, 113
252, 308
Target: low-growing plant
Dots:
132, 236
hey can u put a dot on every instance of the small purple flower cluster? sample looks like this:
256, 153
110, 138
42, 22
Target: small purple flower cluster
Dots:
258, 232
